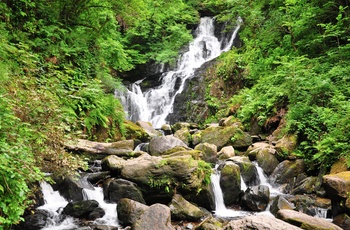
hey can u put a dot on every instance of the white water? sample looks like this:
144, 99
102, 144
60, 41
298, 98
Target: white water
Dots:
111, 216
156, 104
220, 208
55, 203
243, 185
274, 192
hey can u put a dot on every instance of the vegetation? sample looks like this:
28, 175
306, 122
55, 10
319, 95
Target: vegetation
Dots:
60, 62
293, 65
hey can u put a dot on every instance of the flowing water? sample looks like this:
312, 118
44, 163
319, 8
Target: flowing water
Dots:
111, 216
156, 104
54, 203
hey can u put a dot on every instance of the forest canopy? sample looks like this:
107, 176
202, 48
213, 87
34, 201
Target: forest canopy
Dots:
61, 60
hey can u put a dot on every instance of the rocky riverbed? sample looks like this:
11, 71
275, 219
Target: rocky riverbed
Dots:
160, 179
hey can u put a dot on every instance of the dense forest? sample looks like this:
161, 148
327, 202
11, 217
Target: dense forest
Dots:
60, 61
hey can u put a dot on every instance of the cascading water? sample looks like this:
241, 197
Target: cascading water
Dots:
54, 204
111, 216
220, 208
156, 104
264, 181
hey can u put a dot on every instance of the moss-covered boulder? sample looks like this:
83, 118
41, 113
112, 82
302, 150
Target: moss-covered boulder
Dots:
286, 145
280, 203
129, 211
116, 189
113, 164
148, 128
184, 135
254, 148
134, 131
209, 152
267, 160
287, 170
339, 166
160, 177
305, 186
337, 187
156, 217
223, 136
230, 182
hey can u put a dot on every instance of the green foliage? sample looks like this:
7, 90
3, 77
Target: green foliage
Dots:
293, 59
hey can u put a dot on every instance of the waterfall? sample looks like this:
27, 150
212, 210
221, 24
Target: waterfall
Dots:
243, 184
111, 217
264, 181
54, 203
156, 104
220, 208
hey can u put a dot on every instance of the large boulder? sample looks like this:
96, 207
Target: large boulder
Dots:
159, 177
310, 204
259, 223
156, 217
159, 145
181, 209
305, 221
337, 187
38, 220
71, 186
254, 148
287, 170
116, 189
256, 198
286, 145
342, 221
80, 209
209, 152
230, 182
267, 160
224, 136
305, 186
129, 211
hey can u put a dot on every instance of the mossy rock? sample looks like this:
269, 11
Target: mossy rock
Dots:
133, 131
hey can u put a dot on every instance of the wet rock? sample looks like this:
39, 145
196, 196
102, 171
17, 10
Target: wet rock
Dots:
181, 209
97, 176
156, 217
96, 213
180, 125
287, 171
310, 204
226, 152
71, 186
305, 221
38, 220
147, 126
116, 189
254, 148
230, 182
129, 211
80, 209
259, 223
337, 187
209, 152
280, 203
159, 145
256, 198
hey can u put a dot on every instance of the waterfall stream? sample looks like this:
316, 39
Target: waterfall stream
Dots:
156, 104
